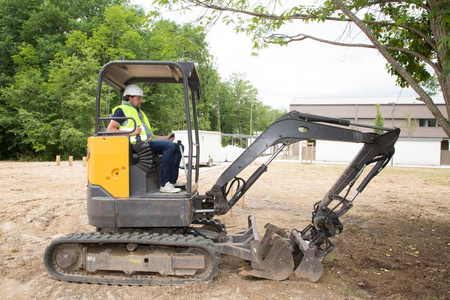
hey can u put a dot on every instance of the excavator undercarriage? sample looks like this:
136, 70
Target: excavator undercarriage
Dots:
142, 257
145, 237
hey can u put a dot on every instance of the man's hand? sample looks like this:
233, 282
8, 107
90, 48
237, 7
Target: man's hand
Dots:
137, 131
170, 137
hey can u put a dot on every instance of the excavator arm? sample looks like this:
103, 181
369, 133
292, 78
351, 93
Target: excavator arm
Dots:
312, 244
294, 127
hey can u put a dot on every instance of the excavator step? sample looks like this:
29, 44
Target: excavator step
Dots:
132, 258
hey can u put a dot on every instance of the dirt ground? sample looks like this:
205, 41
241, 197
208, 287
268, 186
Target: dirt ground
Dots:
395, 243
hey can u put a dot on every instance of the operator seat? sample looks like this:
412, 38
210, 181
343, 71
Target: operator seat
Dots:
145, 170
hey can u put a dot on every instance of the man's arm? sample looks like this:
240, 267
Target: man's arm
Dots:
170, 137
113, 125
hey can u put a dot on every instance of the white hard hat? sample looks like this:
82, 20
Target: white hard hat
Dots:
133, 90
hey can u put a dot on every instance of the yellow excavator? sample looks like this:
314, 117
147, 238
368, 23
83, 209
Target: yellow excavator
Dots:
146, 237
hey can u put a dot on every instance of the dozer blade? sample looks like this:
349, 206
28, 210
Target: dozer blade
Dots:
310, 267
272, 256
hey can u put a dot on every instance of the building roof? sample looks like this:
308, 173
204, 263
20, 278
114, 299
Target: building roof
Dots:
361, 100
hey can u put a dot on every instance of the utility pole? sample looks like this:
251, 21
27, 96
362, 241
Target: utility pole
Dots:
393, 110
251, 119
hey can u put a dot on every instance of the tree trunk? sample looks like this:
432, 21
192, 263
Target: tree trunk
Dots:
439, 33
416, 87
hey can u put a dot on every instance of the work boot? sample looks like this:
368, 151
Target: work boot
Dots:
169, 188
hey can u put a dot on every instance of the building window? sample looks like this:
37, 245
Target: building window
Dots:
427, 123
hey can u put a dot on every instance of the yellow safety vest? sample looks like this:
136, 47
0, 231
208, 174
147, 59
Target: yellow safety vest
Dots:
131, 112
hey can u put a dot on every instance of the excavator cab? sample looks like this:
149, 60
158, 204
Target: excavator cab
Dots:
124, 178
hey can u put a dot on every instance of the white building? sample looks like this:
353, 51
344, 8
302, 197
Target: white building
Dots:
422, 140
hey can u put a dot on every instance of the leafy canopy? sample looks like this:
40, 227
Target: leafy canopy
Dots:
50, 56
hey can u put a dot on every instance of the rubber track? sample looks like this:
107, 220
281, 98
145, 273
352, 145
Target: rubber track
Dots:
155, 239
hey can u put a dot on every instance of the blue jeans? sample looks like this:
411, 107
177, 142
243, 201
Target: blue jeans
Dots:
171, 157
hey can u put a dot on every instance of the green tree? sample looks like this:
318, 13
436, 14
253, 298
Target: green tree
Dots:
48, 75
119, 37
237, 106
13, 15
264, 115
43, 25
53, 117
219, 92
17, 109
71, 85
235, 99
412, 35
410, 124
379, 120
168, 41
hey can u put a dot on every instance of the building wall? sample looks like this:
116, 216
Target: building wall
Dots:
328, 151
418, 152
394, 115
425, 152
426, 143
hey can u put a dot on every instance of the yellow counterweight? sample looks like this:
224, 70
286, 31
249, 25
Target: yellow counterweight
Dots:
108, 164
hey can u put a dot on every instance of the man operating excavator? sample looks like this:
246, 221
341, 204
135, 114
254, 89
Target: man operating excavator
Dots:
145, 237
171, 154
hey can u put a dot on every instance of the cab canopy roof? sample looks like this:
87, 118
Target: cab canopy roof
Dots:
119, 74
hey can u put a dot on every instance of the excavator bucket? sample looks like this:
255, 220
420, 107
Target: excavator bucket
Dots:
272, 256
276, 256
310, 267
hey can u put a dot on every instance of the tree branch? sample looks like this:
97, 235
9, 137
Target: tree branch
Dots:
300, 37
386, 24
311, 17
378, 2
235, 10
408, 78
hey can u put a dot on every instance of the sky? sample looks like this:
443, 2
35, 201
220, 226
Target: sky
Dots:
301, 69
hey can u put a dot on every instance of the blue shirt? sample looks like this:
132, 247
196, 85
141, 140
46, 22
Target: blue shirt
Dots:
118, 114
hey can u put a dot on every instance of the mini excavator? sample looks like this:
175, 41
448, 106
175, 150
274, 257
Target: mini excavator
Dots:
146, 237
